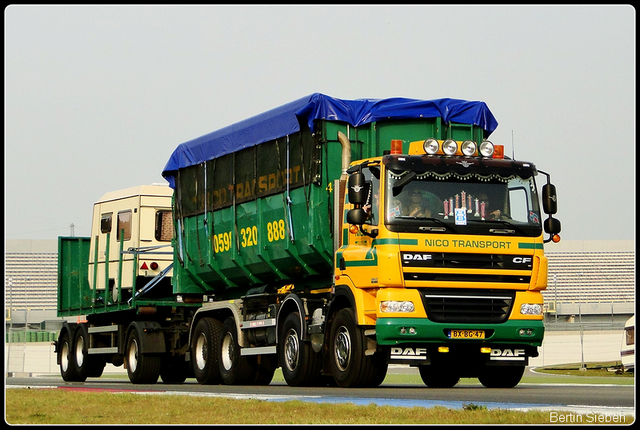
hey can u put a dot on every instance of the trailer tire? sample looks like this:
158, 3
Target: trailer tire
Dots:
142, 368
68, 368
501, 376
301, 366
87, 365
204, 351
235, 369
350, 366
435, 376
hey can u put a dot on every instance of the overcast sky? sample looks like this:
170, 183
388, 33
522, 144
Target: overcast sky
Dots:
98, 97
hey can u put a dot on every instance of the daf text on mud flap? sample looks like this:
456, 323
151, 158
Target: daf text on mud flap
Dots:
508, 354
409, 353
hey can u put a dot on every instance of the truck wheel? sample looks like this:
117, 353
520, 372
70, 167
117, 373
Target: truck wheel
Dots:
438, 376
501, 376
68, 369
204, 351
87, 365
301, 366
235, 369
142, 368
350, 366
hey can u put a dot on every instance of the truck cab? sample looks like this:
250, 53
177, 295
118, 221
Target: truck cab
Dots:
444, 253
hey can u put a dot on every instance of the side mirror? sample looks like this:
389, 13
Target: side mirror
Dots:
358, 189
552, 226
356, 216
549, 199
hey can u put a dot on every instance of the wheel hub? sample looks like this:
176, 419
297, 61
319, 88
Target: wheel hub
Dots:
291, 350
343, 348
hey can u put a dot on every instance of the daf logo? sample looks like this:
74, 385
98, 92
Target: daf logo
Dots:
522, 260
357, 188
417, 257
409, 352
507, 353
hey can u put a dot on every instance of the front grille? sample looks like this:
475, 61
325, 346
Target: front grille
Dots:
461, 277
467, 306
414, 263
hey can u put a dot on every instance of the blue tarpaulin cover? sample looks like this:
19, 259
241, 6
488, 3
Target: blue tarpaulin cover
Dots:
283, 121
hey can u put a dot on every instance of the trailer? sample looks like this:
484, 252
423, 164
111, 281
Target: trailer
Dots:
627, 348
298, 243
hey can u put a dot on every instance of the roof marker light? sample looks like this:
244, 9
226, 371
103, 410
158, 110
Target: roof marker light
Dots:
396, 146
498, 151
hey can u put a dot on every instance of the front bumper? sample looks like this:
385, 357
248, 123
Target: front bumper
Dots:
396, 331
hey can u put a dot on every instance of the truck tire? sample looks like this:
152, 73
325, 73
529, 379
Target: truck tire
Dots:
435, 376
501, 376
235, 369
204, 351
87, 365
301, 366
68, 368
350, 366
142, 368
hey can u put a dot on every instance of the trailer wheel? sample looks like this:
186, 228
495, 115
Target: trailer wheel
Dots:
438, 376
501, 376
235, 369
87, 365
68, 368
301, 366
204, 348
142, 368
350, 366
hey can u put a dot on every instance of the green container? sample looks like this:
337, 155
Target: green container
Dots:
263, 216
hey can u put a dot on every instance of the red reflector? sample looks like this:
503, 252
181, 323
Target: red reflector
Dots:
154, 265
396, 146
144, 266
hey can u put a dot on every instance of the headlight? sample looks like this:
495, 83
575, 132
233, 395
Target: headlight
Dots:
450, 147
486, 149
531, 309
395, 306
431, 146
469, 148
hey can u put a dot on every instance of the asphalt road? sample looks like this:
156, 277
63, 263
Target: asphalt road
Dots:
566, 395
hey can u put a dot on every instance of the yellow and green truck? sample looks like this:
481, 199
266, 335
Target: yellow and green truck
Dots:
330, 238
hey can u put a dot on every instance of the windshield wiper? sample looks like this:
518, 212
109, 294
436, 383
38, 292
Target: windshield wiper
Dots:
444, 225
511, 230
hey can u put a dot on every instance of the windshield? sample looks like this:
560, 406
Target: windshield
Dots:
465, 204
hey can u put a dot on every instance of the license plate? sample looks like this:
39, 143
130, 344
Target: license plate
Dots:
466, 334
